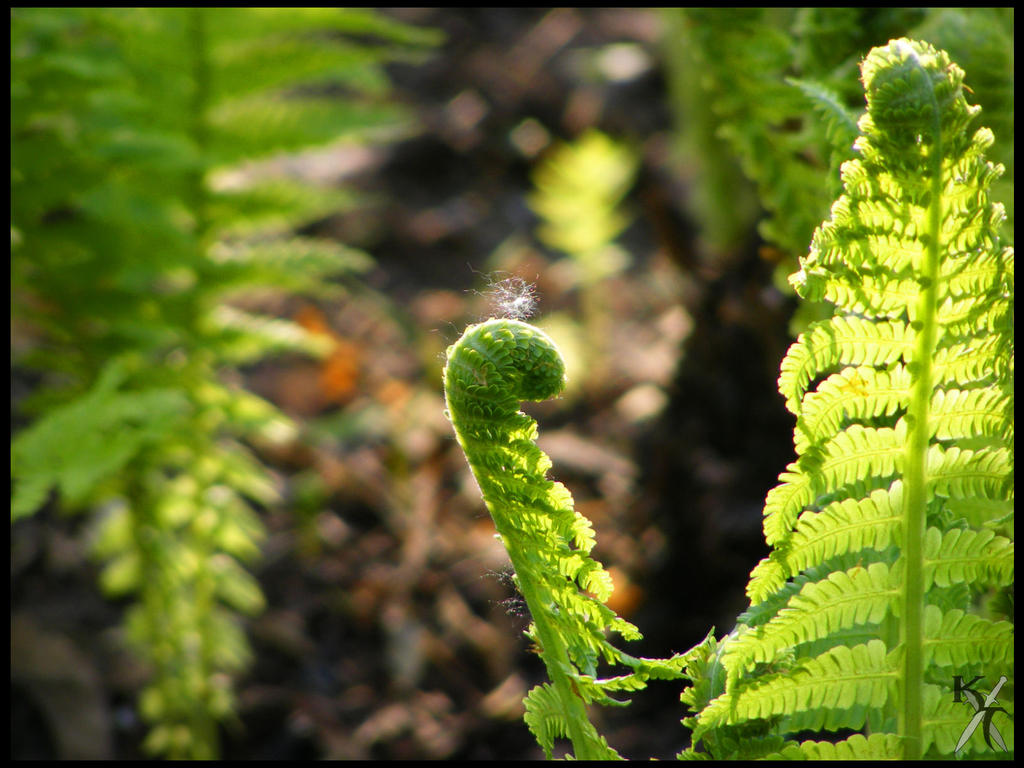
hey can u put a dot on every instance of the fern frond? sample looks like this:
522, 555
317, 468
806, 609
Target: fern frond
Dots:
250, 207
244, 336
956, 639
966, 556
544, 717
877, 746
840, 466
299, 264
965, 473
839, 602
840, 528
944, 721
963, 414
839, 341
124, 252
893, 520
855, 394
840, 123
78, 445
742, 55
830, 691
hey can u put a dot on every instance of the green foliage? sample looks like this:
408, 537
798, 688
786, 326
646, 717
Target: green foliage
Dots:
743, 56
703, 158
579, 189
494, 366
125, 250
107, 428
783, 94
892, 533
980, 40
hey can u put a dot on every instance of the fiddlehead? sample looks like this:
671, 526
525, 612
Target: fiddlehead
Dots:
495, 365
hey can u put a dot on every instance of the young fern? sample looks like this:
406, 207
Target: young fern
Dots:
495, 365
891, 534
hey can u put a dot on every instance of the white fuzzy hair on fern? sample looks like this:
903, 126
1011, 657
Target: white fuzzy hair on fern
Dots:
512, 298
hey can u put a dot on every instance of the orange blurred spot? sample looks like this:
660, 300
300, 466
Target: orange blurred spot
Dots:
313, 320
340, 371
627, 595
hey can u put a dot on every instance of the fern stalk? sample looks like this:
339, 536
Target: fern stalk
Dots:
915, 473
200, 49
582, 734
469, 375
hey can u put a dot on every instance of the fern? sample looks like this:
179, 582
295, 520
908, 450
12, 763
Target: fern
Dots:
744, 56
893, 531
980, 40
494, 366
579, 188
762, 69
125, 249
703, 157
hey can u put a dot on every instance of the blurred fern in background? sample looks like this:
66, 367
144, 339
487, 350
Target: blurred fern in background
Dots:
127, 245
779, 88
579, 188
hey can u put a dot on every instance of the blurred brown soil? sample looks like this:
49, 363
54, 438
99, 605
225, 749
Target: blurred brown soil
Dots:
393, 631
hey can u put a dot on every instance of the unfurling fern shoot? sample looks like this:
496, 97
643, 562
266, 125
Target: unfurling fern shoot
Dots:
892, 532
490, 370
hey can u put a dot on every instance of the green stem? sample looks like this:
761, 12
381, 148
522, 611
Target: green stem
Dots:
915, 472
201, 719
553, 653
198, 127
